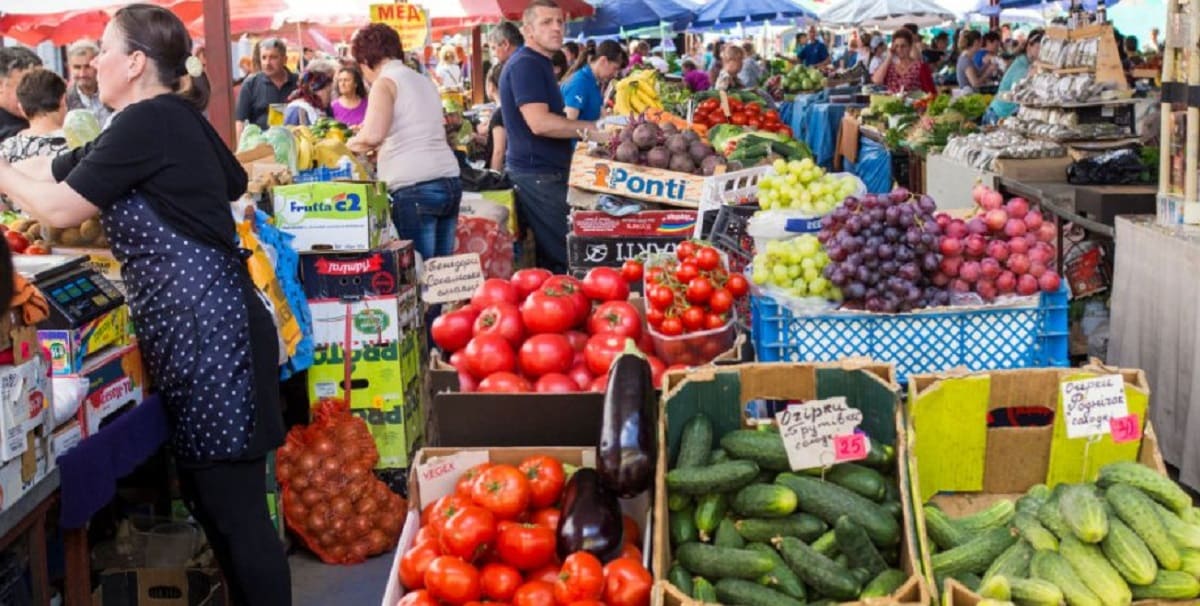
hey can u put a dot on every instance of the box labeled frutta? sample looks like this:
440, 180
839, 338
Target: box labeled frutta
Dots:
334, 215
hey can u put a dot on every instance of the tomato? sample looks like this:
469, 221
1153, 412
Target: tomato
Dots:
427, 535
714, 321
494, 290
581, 375
629, 550
581, 578
547, 573
656, 370
771, 114
501, 319
487, 354
688, 271
572, 288
504, 382
544, 354
601, 350
467, 383
685, 250
654, 275
605, 284
546, 479
735, 104
616, 317
547, 517
467, 480
452, 580
630, 530
737, 285
436, 513
503, 490
671, 326
739, 119
599, 384
526, 281
754, 122
699, 290
37, 249
717, 118
17, 241
720, 301
708, 105
468, 534
692, 318
535, 593
417, 598
555, 383
577, 338
414, 562
661, 297
451, 331
499, 581
752, 108
707, 258
632, 270
786, 130
654, 317
526, 546
548, 311
627, 583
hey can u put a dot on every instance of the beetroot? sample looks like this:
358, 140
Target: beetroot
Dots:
646, 136
677, 145
699, 151
709, 165
658, 157
627, 152
690, 136
682, 163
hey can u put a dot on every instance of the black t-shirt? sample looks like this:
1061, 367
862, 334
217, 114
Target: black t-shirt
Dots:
10, 124
258, 93
164, 149
496, 121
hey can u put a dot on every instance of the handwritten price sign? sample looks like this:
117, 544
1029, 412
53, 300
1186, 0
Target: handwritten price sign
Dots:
1125, 429
820, 433
1089, 405
852, 447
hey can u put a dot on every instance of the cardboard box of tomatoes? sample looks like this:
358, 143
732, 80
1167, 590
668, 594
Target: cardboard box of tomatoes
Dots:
482, 525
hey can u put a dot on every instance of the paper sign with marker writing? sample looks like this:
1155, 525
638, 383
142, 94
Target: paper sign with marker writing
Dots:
810, 431
453, 278
437, 477
1089, 404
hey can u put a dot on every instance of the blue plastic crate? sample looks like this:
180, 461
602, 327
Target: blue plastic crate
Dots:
980, 338
321, 173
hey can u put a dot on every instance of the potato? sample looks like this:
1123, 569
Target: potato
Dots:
20, 225
71, 237
90, 230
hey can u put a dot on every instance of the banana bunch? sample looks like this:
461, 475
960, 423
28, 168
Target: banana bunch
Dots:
636, 93
306, 143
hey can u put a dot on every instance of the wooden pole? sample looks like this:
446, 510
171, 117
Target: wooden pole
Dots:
477, 75
220, 68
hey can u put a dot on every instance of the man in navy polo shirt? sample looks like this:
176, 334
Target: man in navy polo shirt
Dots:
538, 158
815, 53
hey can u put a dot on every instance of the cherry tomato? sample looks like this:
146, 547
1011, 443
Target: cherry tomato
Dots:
707, 258
581, 578
686, 272
737, 285
714, 321
452, 580
692, 318
546, 479
685, 250
735, 104
499, 582
632, 270
671, 326
699, 290
661, 297
754, 122
752, 108
654, 275
720, 301
771, 115
739, 119
654, 317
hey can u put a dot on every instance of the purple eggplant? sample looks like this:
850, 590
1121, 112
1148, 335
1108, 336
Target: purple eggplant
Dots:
625, 455
591, 518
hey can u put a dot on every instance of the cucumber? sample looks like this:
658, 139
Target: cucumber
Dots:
880, 456
1031, 530
969, 580
710, 510
765, 476
826, 544
1157, 486
941, 529
1137, 511
830, 502
762, 447
722, 562
1169, 585
764, 501
975, 555
861, 576
1052, 567
1033, 499
781, 578
859, 479
996, 588
891, 488
727, 535
745, 593
841, 560
884, 584
1189, 562
817, 571
678, 502
681, 526
718, 455
853, 541
995, 516
695, 443
1013, 563
800, 525
1035, 592
703, 591
895, 508
1129, 554
680, 578
1083, 512
722, 477
1095, 571
1184, 534
1050, 517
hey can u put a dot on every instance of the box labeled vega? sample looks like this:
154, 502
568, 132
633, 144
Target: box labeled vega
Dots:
115, 381
384, 271
334, 215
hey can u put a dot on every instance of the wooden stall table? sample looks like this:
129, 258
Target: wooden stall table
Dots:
26, 520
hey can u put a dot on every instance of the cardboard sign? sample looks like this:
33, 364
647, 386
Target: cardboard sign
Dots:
1089, 404
437, 478
453, 278
811, 430
1125, 429
851, 447
407, 19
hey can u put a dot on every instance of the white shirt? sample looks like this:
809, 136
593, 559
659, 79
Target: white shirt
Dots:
450, 75
415, 149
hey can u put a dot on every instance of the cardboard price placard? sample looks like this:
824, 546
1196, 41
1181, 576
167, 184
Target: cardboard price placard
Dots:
818, 433
453, 278
1089, 405
437, 478
408, 20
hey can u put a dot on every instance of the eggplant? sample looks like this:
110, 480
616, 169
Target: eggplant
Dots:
625, 454
591, 518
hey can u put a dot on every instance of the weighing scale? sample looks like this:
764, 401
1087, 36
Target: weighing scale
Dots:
77, 294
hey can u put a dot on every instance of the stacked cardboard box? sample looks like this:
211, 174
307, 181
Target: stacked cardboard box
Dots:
598, 239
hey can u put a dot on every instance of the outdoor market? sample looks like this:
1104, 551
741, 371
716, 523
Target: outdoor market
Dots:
599, 302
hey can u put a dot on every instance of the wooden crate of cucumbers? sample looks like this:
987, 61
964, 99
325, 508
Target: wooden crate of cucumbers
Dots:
1026, 517
729, 531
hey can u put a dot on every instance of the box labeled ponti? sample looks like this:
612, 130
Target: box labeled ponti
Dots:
116, 381
645, 224
25, 393
633, 181
70, 349
355, 274
334, 215
585, 252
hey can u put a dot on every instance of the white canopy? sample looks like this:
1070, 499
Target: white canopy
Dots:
886, 14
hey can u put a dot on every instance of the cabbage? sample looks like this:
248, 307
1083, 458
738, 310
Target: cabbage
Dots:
281, 140
252, 137
79, 127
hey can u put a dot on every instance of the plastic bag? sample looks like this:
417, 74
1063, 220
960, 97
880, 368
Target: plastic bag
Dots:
874, 167
262, 272
1117, 167
79, 127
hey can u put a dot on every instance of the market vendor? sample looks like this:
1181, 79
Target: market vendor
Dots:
814, 53
1026, 56
582, 94
209, 342
273, 84
900, 71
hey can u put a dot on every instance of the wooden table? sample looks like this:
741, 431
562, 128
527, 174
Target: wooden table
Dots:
26, 520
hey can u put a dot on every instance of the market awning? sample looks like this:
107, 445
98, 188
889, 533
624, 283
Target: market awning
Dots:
32, 23
886, 14
716, 12
446, 14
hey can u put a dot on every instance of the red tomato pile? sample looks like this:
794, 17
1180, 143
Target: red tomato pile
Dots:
494, 540
710, 114
542, 333
343, 513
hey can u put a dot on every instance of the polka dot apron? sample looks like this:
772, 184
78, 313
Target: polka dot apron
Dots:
188, 303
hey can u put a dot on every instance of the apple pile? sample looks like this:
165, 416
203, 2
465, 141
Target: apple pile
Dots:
1006, 248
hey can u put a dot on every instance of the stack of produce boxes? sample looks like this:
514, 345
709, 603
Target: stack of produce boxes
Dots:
598, 239
25, 396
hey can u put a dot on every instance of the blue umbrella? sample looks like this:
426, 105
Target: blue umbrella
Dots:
612, 16
723, 11
985, 9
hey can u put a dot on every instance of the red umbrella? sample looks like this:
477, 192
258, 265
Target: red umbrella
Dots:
66, 27
468, 13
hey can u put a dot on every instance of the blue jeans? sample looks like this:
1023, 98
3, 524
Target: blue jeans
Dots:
542, 206
427, 214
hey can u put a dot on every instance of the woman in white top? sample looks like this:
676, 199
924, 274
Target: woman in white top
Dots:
448, 72
404, 126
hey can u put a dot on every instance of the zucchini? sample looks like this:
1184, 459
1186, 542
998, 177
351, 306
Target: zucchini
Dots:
1137, 510
722, 562
703, 591
1050, 517
1095, 571
853, 541
710, 510
1035, 592
1189, 562
680, 578
895, 508
996, 588
800, 525
830, 502
1184, 535
884, 584
764, 501
1032, 531
1157, 486
781, 578
762, 447
859, 479
1129, 554
695, 443
718, 455
1013, 563
745, 593
678, 502
1169, 585
1052, 567
942, 530
1083, 512
681, 526
880, 455
722, 477
727, 535
975, 555
891, 489
995, 516
826, 544
817, 571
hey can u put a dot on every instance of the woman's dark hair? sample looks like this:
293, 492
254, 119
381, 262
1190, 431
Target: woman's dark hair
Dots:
559, 60
318, 77
376, 43
611, 50
199, 91
1034, 37
903, 34
360, 87
493, 75
162, 37
40, 92
990, 37
571, 47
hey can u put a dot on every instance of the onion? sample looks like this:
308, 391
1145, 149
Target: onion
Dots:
307, 461
324, 447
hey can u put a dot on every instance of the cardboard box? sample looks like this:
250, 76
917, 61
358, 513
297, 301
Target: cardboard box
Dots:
65, 438
18, 337
722, 393
334, 215
18, 476
645, 224
357, 274
25, 394
1033, 171
585, 252
636, 182
116, 381
70, 349
160, 587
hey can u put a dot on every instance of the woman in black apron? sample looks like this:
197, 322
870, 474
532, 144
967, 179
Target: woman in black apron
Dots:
161, 180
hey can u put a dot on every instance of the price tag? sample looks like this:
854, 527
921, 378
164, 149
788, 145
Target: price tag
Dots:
453, 278
1089, 404
810, 431
1125, 429
852, 447
436, 478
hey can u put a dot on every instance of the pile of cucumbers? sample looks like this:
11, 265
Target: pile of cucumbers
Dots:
745, 529
1131, 535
